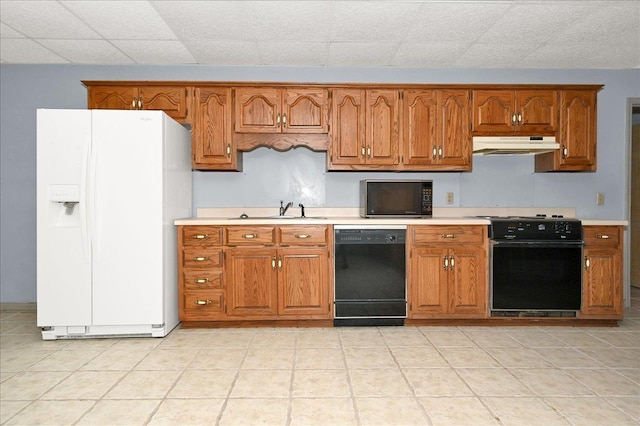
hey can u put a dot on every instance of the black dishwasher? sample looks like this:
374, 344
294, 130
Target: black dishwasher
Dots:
370, 276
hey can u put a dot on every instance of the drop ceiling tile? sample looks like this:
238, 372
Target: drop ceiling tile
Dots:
429, 55
583, 55
24, 51
361, 54
209, 52
535, 22
290, 20
367, 21
8, 32
615, 22
44, 19
210, 20
294, 53
132, 20
493, 55
157, 52
87, 51
446, 21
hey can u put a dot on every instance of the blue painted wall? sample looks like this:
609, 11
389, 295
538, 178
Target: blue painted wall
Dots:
299, 175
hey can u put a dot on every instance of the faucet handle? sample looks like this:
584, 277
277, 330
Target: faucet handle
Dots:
301, 210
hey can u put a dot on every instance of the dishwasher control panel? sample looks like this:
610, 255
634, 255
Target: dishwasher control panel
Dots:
370, 236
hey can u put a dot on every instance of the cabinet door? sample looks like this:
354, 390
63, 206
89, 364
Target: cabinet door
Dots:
493, 111
347, 127
303, 282
538, 111
112, 97
257, 110
602, 283
453, 135
305, 111
428, 282
381, 124
419, 127
173, 100
577, 135
467, 282
211, 143
578, 129
251, 280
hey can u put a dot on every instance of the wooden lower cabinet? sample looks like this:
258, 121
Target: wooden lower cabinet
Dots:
602, 278
447, 272
201, 292
290, 282
251, 275
264, 273
303, 276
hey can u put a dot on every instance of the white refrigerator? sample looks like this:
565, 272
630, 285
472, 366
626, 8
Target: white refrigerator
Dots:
109, 185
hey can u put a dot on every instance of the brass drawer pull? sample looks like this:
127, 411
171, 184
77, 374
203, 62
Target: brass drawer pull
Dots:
201, 280
602, 237
586, 263
201, 302
250, 236
201, 259
273, 263
303, 236
448, 235
446, 262
201, 236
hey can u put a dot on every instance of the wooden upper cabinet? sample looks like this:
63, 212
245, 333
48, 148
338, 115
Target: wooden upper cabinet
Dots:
347, 127
364, 129
577, 136
435, 130
112, 97
275, 110
501, 111
211, 137
381, 124
173, 100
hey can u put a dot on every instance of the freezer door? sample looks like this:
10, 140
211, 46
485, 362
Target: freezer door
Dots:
63, 251
126, 199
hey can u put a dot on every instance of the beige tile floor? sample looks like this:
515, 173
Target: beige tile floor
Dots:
340, 376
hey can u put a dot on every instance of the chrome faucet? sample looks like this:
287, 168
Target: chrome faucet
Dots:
283, 209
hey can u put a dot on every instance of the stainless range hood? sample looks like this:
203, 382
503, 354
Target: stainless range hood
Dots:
520, 145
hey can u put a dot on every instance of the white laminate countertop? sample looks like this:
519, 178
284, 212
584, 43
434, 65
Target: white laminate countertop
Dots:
350, 216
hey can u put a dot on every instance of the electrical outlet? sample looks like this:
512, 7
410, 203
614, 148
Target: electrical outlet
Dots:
600, 198
449, 197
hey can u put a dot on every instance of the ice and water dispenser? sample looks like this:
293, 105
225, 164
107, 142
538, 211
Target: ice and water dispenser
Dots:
64, 209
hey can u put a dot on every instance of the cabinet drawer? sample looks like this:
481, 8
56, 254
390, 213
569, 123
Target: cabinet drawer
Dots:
201, 257
303, 235
203, 303
466, 234
204, 279
601, 235
201, 235
250, 235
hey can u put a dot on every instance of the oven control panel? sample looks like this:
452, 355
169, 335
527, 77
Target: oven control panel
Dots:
536, 229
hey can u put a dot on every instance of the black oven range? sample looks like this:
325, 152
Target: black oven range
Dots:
536, 266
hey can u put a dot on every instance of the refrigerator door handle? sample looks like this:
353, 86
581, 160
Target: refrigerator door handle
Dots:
92, 210
84, 210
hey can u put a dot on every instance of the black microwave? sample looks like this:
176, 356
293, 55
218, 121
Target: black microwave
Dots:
396, 198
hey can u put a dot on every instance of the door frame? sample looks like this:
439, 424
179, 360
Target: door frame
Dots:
631, 103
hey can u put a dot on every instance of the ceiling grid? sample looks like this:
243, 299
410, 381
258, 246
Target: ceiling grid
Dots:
512, 34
